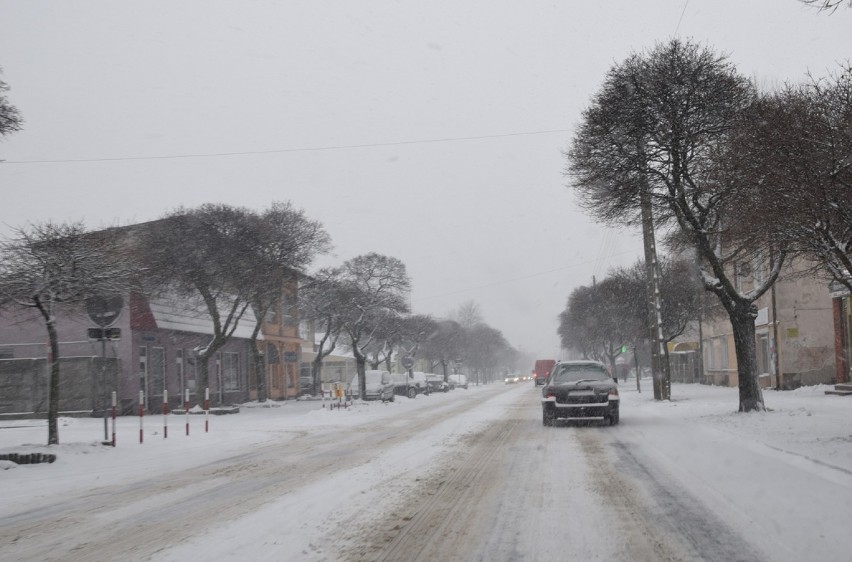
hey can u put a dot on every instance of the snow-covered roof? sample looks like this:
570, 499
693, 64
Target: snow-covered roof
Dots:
183, 316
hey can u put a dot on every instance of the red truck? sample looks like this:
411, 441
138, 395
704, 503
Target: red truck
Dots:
542, 370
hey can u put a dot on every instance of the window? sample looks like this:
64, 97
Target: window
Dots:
143, 369
763, 365
191, 373
306, 330
231, 371
179, 371
568, 372
289, 310
270, 317
717, 355
156, 371
272, 357
723, 353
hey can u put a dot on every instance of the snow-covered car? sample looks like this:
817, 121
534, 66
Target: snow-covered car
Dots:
435, 383
379, 386
458, 381
403, 385
580, 390
418, 380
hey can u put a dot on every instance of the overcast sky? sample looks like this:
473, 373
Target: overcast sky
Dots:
429, 131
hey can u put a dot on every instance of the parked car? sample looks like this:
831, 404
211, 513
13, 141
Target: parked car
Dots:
402, 385
580, 390
435, 383
305, 384
379, 386
542, 370
418, 380
458, 381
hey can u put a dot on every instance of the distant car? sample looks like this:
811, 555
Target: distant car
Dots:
580, 390
458, 381
379, 386
511, 379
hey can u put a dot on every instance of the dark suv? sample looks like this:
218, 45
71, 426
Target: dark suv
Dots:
579, 390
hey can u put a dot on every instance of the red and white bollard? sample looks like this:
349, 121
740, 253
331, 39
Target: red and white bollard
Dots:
113, 418
206, 409
141, 414
165, 413
186, 409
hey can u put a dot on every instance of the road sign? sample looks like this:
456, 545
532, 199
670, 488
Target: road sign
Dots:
104, 310
103, 334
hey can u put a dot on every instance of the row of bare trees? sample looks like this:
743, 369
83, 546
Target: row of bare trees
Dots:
732, 174
363, 306
600, 320
225, 261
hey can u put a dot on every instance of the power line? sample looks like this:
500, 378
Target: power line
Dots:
685, 4
286, 150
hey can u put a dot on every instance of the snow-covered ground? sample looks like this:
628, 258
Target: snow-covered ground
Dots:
782, 478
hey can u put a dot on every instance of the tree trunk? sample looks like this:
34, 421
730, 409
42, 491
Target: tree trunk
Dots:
316, 373
53, 403
742, 323
360, 368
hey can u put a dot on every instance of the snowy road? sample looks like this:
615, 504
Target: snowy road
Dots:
519, 491
469, 475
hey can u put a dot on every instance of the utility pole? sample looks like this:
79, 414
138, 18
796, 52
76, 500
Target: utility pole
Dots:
660, 382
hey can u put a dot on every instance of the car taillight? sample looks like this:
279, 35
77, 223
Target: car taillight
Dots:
550, 395
613, 392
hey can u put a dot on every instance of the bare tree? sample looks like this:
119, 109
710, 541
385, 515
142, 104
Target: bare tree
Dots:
468, 314
283, 241
444, 345
375, 290
202, 256
10, 118
660, 120
484, 345
827, 5
322, 300
600, 319
52, 267
413, 332
799, 141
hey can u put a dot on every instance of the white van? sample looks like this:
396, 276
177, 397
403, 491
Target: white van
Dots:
379, 386
458, 381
